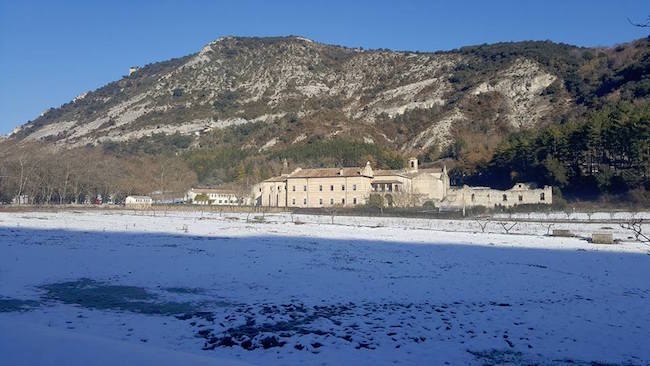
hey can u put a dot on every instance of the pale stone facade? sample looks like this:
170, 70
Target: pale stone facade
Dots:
519, 194
272, 192
328, 187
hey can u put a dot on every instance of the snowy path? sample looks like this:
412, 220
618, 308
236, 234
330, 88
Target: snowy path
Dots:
282, 293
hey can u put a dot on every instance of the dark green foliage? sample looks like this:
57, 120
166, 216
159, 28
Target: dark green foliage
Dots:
375, 201
341, 152
216, 164
607, 153
560, 59
226, 102
429, 205
156, 144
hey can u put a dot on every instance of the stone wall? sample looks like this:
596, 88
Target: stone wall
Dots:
520, 194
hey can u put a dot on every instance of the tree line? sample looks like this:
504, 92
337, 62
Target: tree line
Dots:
43, 174
607, 153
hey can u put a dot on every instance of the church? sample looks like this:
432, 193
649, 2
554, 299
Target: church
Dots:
411, 186
326, 187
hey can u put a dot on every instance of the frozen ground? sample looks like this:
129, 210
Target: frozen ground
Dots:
101, 288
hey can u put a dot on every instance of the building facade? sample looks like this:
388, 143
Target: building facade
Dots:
346, 187
519, 194
412, 186
138, 201
214, 196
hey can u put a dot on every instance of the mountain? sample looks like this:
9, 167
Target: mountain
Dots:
253, 100
334, 91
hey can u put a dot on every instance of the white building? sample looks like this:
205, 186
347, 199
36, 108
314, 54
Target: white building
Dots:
21, 200
214, 196
138, 201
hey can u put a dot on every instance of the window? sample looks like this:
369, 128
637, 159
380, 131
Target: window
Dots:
541, 196
304, 188
354, 187
293, 201
473, 197
320, 201
505, 197
396, 188
331, 201
320, 187
343, 187
332, 187
354, 200
412, 164
304, 201
521, 198
343, 201
294, 188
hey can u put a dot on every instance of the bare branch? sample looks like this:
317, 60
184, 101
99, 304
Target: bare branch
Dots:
640, 25
507, 227
483, 223
636, 226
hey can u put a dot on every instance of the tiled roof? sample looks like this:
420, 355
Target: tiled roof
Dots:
326, 172
406, 173
386, 181
382, 172
213, 190
279, 178
347, 172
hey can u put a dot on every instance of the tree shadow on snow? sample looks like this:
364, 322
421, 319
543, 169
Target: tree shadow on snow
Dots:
307, 293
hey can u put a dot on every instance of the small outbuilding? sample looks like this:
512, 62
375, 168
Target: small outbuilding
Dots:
138, 201
214, 196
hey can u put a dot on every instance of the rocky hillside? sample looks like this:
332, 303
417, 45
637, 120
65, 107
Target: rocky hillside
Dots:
406, 100
237, 108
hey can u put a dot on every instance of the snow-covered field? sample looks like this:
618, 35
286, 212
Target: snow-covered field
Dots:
128, 288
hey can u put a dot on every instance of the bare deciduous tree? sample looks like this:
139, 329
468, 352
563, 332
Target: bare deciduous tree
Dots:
482, 223
507, 226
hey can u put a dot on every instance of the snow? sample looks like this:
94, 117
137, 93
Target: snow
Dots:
30, 344
160, 287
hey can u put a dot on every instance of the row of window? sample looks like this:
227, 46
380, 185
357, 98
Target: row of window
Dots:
320, 201
384, 187
504, 198
320, 187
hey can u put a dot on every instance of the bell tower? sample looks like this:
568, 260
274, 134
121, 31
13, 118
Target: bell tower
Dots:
413, 165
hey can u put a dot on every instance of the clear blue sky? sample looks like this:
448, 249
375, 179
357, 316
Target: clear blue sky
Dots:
51, 51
